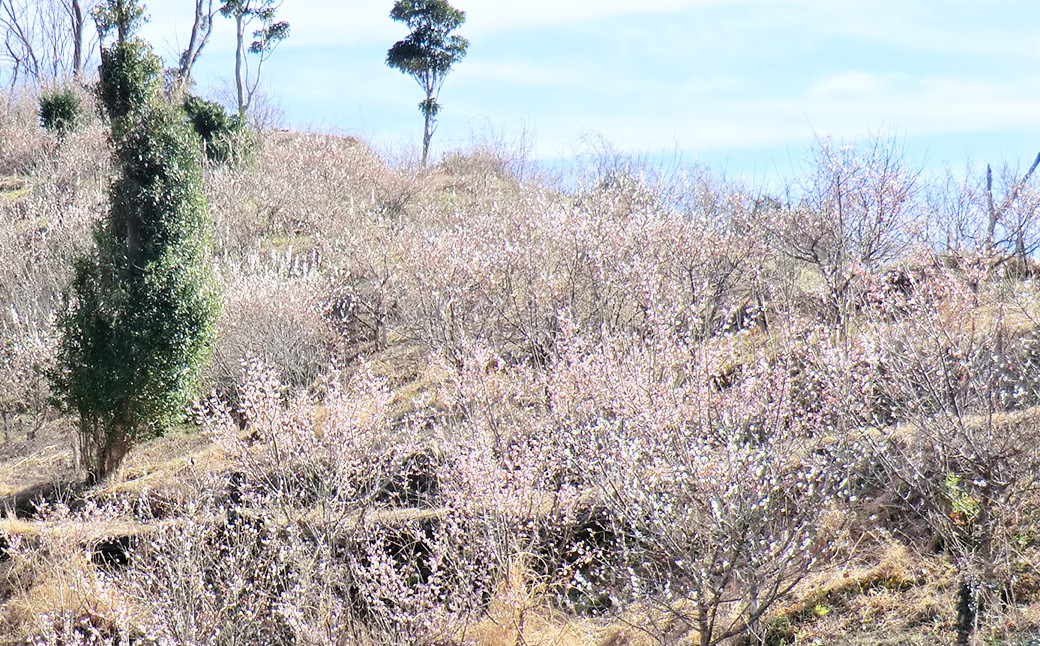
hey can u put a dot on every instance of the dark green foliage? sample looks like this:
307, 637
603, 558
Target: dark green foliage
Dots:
271, 31
124, 17
221, 133
142, 306
270, 34
60, 111
131, 77
429, 51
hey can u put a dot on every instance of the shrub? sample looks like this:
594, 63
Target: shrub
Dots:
350, 560
708, 504
967, 459
60, 111
26, 358
222, 134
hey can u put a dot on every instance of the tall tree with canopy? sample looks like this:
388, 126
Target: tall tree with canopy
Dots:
265, 39
428, 53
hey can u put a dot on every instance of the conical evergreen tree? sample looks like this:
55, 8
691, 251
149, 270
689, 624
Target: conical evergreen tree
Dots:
142, 304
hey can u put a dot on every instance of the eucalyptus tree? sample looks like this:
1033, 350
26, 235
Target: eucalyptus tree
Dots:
266, 38
428, 53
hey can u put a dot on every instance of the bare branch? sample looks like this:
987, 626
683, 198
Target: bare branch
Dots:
44, 39
201, 29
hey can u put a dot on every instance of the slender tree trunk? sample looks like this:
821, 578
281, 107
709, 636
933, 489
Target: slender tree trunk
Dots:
995, 213
965, 611
703, 626
91, 451
77, 41
122, 21
111, 442
991, 211
427, 135
201, 29
753, 614
240, 54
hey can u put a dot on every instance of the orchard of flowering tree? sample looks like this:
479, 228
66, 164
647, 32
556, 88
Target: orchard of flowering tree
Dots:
264, 387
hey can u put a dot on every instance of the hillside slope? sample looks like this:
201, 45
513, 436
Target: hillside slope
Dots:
453, 407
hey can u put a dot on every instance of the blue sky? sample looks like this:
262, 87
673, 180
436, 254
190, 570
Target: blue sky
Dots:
742, 85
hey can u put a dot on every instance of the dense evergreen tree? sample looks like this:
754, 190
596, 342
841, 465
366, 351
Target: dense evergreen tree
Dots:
142, 304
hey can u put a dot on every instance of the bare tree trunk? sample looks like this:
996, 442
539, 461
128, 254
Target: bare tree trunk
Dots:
8, 417
77, 40
201, 29
104, 444
20, 39
966, 599
427, 136
43, 39
991, 211
240, 54
995, 214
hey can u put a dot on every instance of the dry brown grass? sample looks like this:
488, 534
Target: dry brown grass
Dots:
890, 594
165, 469
50, 581
522, 614
48, 457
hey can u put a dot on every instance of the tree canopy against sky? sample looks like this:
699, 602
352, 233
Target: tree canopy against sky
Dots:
428, 53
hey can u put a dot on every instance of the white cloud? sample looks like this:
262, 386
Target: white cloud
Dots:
997, 28
515, 73
926, 104
843, 105
495, 15
852, 84
320, 23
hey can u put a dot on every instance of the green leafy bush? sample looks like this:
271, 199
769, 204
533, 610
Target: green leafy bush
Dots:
223, 135
60, 111
131, 76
